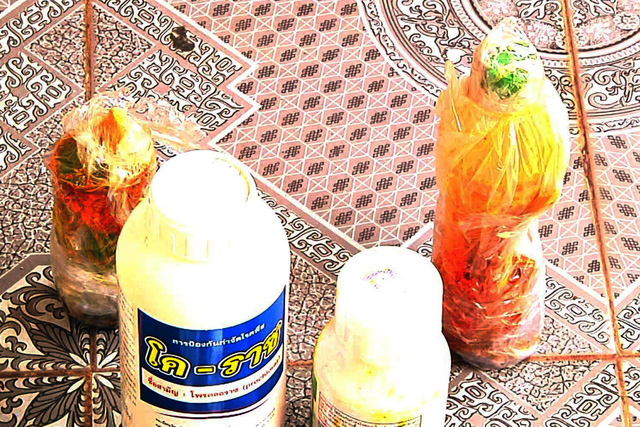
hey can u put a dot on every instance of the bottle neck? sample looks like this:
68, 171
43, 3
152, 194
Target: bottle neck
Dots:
194, 242
198, 203
389, 311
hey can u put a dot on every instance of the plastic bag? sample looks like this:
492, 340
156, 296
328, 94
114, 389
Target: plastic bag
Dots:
100, 170
501, 153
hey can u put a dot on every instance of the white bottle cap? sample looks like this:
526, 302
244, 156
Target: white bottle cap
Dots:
388, 305
197, 202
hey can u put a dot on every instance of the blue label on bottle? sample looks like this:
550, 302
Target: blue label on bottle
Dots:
211, 371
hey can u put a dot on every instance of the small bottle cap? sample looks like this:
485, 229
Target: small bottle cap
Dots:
197, 202
389, 300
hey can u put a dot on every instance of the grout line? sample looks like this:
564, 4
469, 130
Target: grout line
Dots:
626, 354
54, 373
88, 50
572, 357
589, 171
88, 403
626, 414
88, 93
106, 370
589, 168
303, 363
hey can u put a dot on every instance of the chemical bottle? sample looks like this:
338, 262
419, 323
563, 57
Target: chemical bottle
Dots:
382, 360
203, 268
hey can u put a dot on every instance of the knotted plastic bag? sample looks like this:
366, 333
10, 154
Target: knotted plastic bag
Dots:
501, 153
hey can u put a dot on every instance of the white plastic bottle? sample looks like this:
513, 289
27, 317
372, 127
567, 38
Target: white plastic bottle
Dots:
383, 361
203, 267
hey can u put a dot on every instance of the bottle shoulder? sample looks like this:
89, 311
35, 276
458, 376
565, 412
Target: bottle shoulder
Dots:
399, 389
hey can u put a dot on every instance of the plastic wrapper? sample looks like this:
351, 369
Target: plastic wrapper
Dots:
100, 170
501, 153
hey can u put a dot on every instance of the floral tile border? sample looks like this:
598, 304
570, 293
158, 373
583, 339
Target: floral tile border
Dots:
36, 332
44, 401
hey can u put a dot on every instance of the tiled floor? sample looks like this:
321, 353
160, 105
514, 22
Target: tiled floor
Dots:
331, 103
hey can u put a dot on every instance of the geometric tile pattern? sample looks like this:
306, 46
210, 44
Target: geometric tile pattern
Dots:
117, 46
617, 172
155, 52
105, 394
568, 232
338, 132
609, 54
342, 147
361, 191
618, 178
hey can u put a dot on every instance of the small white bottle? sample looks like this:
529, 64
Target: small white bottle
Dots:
383, 361
203, 267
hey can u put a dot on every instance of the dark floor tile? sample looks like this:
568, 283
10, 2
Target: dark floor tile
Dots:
43, 401
37, 333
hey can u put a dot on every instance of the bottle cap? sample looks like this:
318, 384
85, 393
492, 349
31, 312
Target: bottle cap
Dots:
507, 73
197, 202
389, 302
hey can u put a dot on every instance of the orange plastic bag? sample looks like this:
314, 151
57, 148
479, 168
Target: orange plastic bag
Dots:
501, 154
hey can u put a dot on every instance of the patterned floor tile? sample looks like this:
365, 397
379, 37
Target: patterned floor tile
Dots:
601, 24
565, 393
41, 70
43, 401
298, 409
617, 171
105, 396
343, 148
608, 36
317, 245
157, 52
311, 306
529, 394
6, 4
25, 212
577, 320
339, 133
567, 230
631, 368
25, 195
36, 333
62, 47
117, 46
347, 177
